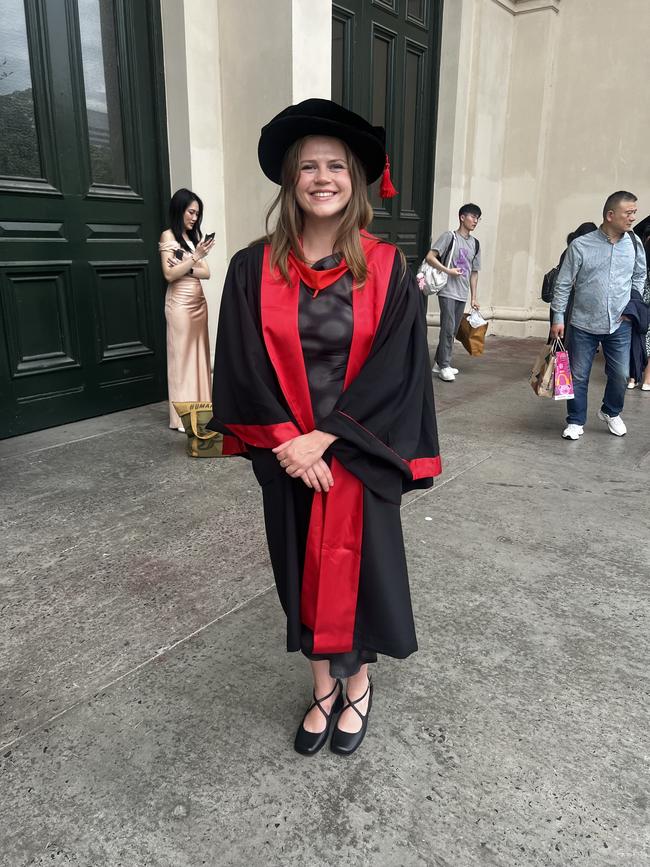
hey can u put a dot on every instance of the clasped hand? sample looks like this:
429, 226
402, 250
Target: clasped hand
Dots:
302, 457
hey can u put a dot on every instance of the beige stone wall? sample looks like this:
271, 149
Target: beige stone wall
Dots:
195, 123
228, 69
472, 122
600, 133
540, 97
540, 116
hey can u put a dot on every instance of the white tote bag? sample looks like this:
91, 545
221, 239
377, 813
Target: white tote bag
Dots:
430, 279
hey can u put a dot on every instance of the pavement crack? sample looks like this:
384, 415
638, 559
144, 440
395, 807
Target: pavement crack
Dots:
104, 433
436, 487
111, 683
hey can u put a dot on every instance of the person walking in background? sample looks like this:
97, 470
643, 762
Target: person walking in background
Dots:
603, 267
322, 374
583, 229
643, 231
463, 262
182, 255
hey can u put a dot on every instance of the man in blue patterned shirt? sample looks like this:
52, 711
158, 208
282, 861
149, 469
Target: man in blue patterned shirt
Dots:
603, 267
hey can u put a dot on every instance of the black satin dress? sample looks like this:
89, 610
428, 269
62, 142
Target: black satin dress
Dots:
325, 324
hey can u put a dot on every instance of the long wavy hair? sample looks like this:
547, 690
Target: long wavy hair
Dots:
285, 236
180, 202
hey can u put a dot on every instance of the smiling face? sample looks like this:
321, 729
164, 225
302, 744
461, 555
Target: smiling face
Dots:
324, 185
190, 216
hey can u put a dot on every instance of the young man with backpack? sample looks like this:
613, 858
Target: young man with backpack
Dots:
458, 255
603, 267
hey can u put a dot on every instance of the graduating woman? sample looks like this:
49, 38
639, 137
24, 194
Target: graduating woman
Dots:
322, 378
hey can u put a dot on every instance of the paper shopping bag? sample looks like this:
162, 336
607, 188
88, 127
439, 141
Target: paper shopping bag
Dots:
562, 377
472, 338
542, 378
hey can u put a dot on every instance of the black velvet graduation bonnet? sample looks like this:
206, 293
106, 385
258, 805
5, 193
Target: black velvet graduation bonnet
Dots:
321, 117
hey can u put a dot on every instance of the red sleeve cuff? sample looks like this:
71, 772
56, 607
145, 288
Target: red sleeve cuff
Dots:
425, 468
233, 446
266, 436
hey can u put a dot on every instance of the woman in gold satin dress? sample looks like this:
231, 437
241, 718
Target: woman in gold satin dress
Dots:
182, 255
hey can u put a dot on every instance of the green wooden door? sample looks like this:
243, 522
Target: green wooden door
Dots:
385, 64
82, 163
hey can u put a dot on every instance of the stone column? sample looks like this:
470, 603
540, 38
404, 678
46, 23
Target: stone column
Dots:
517, 271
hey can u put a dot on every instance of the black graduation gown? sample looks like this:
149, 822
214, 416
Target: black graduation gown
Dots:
338, 558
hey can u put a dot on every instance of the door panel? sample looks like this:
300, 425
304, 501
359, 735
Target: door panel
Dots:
385, 63
410, 178
17, 114
388, 5
102, 91
417, 12
39, 302
123, 320
81, 294
382, 93
342, 38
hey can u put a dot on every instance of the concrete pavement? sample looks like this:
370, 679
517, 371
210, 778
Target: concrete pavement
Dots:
148, 707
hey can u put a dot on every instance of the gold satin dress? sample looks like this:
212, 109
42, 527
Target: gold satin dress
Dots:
188, 343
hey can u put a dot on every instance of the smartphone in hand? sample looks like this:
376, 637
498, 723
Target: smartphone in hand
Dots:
179, 253
208, 238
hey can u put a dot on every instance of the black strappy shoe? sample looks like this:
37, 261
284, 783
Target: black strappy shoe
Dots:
345, 743
309, 743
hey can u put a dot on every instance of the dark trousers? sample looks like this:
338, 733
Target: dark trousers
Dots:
451, 314
582, 349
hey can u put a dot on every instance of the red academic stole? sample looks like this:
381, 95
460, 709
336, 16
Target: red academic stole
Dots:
330, 582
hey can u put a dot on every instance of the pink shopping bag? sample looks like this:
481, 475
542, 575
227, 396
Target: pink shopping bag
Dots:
563, 380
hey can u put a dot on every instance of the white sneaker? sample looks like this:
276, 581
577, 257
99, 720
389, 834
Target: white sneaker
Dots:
573, 431
615, 423
437, 369
447, 374
631, 384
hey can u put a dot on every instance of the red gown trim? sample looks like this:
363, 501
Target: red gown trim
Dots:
233, 446
317, 280
279, 309
263, 436
330, 582
425, 468
333, 557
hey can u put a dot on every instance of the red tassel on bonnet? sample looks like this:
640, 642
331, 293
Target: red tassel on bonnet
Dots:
387, 190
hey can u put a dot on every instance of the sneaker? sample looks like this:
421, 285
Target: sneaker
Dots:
615, 423
447, 374
437, 369
573, 431
631, 384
